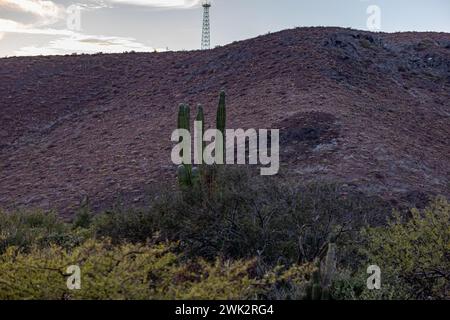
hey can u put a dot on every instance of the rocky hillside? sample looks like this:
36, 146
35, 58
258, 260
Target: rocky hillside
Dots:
371, 110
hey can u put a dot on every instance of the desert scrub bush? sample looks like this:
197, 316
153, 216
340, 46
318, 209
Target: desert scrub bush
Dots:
425, 44
130, 271
352, 285
280, 221
414, 255
246, 216
136, 225
24, 229
281, 283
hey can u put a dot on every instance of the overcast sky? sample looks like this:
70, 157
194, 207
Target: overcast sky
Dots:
30, 27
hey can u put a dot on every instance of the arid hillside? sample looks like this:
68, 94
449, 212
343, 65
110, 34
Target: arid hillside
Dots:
370, 110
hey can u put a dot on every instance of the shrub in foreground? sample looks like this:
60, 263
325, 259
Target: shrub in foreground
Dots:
232, 238
30, 228
413, 254
246, 216
136, 271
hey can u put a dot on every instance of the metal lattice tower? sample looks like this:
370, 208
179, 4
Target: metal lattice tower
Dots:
206, 31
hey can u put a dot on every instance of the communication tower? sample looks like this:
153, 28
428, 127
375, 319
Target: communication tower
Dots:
206, 30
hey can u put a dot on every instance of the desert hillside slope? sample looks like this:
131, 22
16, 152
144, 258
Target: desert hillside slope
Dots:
371, 110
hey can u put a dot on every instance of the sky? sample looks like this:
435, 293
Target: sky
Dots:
47, 27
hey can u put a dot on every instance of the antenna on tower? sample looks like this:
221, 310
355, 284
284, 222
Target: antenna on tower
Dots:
206, 31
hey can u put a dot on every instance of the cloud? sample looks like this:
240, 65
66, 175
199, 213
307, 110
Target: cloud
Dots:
47, 12
85, 44
160, 3
65, 41
17, 27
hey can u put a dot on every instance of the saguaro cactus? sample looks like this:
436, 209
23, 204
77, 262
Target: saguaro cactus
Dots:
201, 118
187, 110
183, 176
184, 170
319, 288
221, 114
183, 117
316, 289
328, 266
221, 119
186, 173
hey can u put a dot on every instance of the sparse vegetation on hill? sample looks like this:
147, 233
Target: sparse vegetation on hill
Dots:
363, 108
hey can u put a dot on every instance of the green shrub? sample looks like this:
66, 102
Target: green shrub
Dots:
23, 229
365, 43
352, 285
84, 216
246, 216
414, 255
124, 224
412, 252
292, 283
254, 224
425, 44
127, 271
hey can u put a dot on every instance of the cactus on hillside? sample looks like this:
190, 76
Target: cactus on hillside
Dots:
201, 118
183, 176
328, 266
316, 288
184, 170
187, 110
319, 288
221, 113
221, 117
186, 174
183, 117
